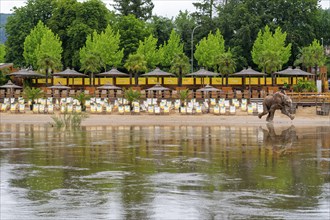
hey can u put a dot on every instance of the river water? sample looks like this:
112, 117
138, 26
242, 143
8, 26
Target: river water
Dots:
165, 172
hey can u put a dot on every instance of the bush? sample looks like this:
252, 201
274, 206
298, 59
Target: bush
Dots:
305, 86
69, 120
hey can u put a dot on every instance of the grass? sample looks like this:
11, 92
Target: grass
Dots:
68, 120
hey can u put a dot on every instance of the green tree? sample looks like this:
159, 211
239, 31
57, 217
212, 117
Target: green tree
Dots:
19, 25
148, 48
131, 96
208, 49
170, 49
106, 46
312, 55
49, 53
134, 64
141, 9
2, 53
31, 43
269, 51
227, 64
132, 31
91, 15
180, 66
91, 63
161, 29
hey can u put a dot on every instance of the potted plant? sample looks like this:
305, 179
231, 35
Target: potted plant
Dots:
32, 94
131, 96
82, 97
183, 95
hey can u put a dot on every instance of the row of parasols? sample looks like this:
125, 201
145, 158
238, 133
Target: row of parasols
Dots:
69, 73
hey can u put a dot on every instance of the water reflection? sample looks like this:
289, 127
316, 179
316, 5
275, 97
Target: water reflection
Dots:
164, 172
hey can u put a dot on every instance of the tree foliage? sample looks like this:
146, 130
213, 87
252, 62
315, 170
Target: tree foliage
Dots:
269, 51
312, 55
31, 43
208, 49
148, 48
180, 66
136, 63
170, 49
104, 45
2, 53
141, 9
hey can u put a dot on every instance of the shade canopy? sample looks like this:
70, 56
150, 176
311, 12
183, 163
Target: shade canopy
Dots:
158, 72
208, 88
294, 72
112, 73
59, 86
69, 73
157, 87
26, 73
10, 85
249, 72
108, 86
203, 73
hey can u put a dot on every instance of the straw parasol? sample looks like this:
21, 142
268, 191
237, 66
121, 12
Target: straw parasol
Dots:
59, 86
70, 73
112, 73
108, 86
207, 89
26, 73
290, 72
203, 73
10, 86
250, 73
158, 87
158, 73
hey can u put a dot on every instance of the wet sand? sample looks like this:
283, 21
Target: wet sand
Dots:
304, 117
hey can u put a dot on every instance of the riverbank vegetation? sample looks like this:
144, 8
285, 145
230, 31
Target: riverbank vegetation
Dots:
89, 37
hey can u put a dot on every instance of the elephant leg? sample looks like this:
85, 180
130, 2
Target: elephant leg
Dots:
285, 112
271, 114
265, 111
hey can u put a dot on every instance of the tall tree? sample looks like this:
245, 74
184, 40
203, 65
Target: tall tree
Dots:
31, 43
180, 66
49, 53
131, 30
161, 28
312, 55
19, 25
226, 63
170, 49
208, 49
106, 46
2, 53
135, 63
142, 9
269, 51
91, 63
148, 48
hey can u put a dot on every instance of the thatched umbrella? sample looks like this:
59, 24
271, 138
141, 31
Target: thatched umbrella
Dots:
158, 87
112, 73
27, 74
108, 86
158, 73
59, 86
70, 73
207, 89
294, 72
203, 73
10, 86
250, 73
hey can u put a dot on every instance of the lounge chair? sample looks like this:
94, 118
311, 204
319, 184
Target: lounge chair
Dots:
232, 110
13, 108
41, 108
157, 110
35, 108
216, 110
50, 109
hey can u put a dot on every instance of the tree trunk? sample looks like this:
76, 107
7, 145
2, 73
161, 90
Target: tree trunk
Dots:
180, 78
136, 79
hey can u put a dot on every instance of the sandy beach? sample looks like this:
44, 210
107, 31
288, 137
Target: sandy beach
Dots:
304, 117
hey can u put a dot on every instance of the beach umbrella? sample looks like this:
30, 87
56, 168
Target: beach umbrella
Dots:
203, 73
108, 86
207, 89
158, 73
69, 73
158, 87
249, 72
293, 72
59, 86
10, 86
26, 73
112, 73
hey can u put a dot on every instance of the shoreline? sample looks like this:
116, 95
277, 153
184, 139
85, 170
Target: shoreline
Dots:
304, 117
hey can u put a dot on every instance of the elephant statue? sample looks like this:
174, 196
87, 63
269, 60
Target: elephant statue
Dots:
278, 100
